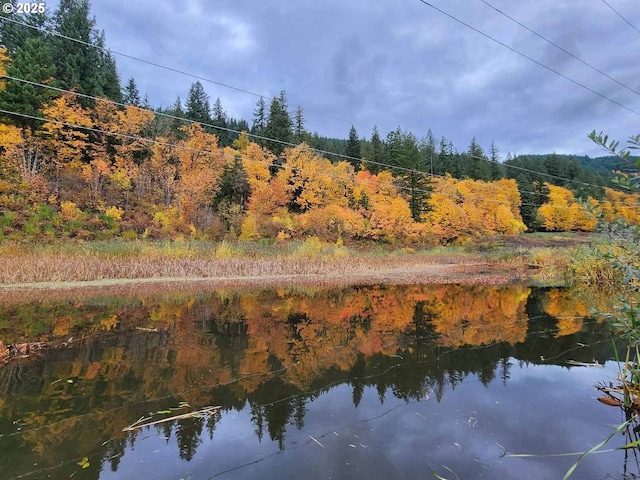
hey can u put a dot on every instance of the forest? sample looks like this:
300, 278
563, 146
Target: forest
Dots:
84, 157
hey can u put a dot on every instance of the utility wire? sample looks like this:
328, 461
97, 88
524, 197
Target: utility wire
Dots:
326, 152
408, 170
217, 127
171, 69
169, 144
283, 167
620, 15
530, 58
174, 145
560, 48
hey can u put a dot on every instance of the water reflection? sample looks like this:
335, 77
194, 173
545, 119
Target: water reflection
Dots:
293, 369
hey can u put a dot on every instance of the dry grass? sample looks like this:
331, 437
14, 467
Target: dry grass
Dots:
183, 260
303, 262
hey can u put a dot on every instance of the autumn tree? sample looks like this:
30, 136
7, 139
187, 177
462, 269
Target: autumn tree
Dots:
561, 212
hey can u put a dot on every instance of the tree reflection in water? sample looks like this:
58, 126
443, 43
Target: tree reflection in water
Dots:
270, 352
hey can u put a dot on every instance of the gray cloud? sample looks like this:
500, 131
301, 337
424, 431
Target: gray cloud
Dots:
390, 63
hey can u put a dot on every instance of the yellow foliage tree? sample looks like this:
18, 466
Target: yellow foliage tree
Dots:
562, 213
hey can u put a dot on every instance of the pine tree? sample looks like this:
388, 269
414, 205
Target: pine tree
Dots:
476, 165
299, 133
496, 169
259, 117
373, 152
110, 78
402, 150
86, 68
197, 105
31, 61
279, 124
234, 184
353, 149
131, 95
14, 36
219, 119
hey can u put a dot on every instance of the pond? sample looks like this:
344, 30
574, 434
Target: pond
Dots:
402, 382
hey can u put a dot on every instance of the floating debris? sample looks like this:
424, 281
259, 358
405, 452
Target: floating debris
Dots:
144, 421
316, 441
20, 350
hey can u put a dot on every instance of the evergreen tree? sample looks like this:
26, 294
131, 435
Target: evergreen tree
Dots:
259, 117
110, 79
299, 133
374, 152
31, 61
131, 95
219, 119
279, 124
476, 165
353, 149
14, 36
197, 105
430, 154
402, 151
86, 68
496, 169
234, 184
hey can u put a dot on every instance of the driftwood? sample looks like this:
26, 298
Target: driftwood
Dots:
19, 350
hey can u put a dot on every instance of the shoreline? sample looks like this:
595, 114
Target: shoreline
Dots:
462, 273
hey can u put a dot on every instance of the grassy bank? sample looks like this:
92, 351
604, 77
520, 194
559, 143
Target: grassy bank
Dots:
505, 258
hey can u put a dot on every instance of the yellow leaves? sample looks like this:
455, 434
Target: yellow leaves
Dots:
4, 61
132, 120
621, 205
69, 211
256, 162
460, 208
563, 213
312, 181
68, 143
114, 212
201, 164
10, 136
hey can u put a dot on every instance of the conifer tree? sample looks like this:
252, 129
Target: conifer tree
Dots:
353, 149
197, 105
131, 95
32, 62
279, 124
219, 119
259, 117
299, 133
374, 152
86, 68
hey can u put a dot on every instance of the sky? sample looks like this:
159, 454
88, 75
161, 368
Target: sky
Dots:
390, 63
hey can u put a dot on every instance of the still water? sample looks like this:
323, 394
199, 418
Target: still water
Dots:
368, 382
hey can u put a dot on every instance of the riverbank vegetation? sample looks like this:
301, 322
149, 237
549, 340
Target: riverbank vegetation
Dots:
537, 258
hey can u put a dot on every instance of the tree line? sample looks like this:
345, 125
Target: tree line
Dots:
105, 163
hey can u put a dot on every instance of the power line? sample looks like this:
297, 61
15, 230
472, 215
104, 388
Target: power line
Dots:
217, 127
171, 69
560, 48
530, 58
620, 15
408, 170
186, 120
173, 145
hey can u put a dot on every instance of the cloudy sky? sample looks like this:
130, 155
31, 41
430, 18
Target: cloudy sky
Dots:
396, 63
